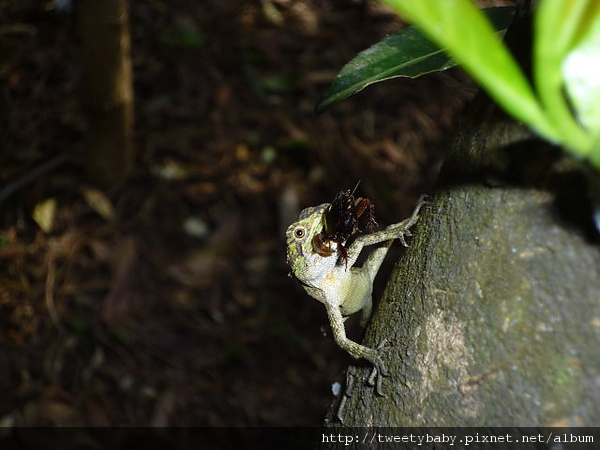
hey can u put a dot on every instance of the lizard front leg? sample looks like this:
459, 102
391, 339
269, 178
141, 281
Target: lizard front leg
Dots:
395, 231
369, 270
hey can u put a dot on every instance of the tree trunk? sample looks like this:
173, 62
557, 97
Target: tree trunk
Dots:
107, 90
492, 317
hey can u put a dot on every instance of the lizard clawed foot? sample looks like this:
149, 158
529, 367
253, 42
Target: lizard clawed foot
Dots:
345, 395
379, 371
376, 378
403, 228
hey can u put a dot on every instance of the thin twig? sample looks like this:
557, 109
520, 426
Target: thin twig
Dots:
11, 188
50, 277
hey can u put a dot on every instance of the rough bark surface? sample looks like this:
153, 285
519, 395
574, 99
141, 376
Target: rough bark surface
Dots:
492, 317
107, 89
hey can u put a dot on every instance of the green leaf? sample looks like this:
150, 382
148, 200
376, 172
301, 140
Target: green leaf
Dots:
557, 25
406, 53
461, 28
580, 70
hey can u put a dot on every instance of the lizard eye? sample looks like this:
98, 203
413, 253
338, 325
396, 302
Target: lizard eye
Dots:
299, 233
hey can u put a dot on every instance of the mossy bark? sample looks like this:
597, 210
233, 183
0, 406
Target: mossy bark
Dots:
492, 316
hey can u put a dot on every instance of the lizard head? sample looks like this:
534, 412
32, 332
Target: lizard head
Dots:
299, 238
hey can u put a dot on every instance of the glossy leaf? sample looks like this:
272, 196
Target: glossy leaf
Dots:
407, 53
557, 25
404, 54
461, 28
581, 69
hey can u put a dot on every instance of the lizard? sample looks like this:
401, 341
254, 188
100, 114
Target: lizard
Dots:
333, 281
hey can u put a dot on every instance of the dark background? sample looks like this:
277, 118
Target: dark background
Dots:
177, 311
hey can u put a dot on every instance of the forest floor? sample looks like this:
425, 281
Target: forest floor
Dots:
165, 301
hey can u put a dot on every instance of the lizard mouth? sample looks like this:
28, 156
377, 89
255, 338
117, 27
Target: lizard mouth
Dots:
321, 246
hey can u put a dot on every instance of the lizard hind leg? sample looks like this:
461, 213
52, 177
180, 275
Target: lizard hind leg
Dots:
353, 348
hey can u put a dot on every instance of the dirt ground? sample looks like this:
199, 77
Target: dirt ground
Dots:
165, 301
